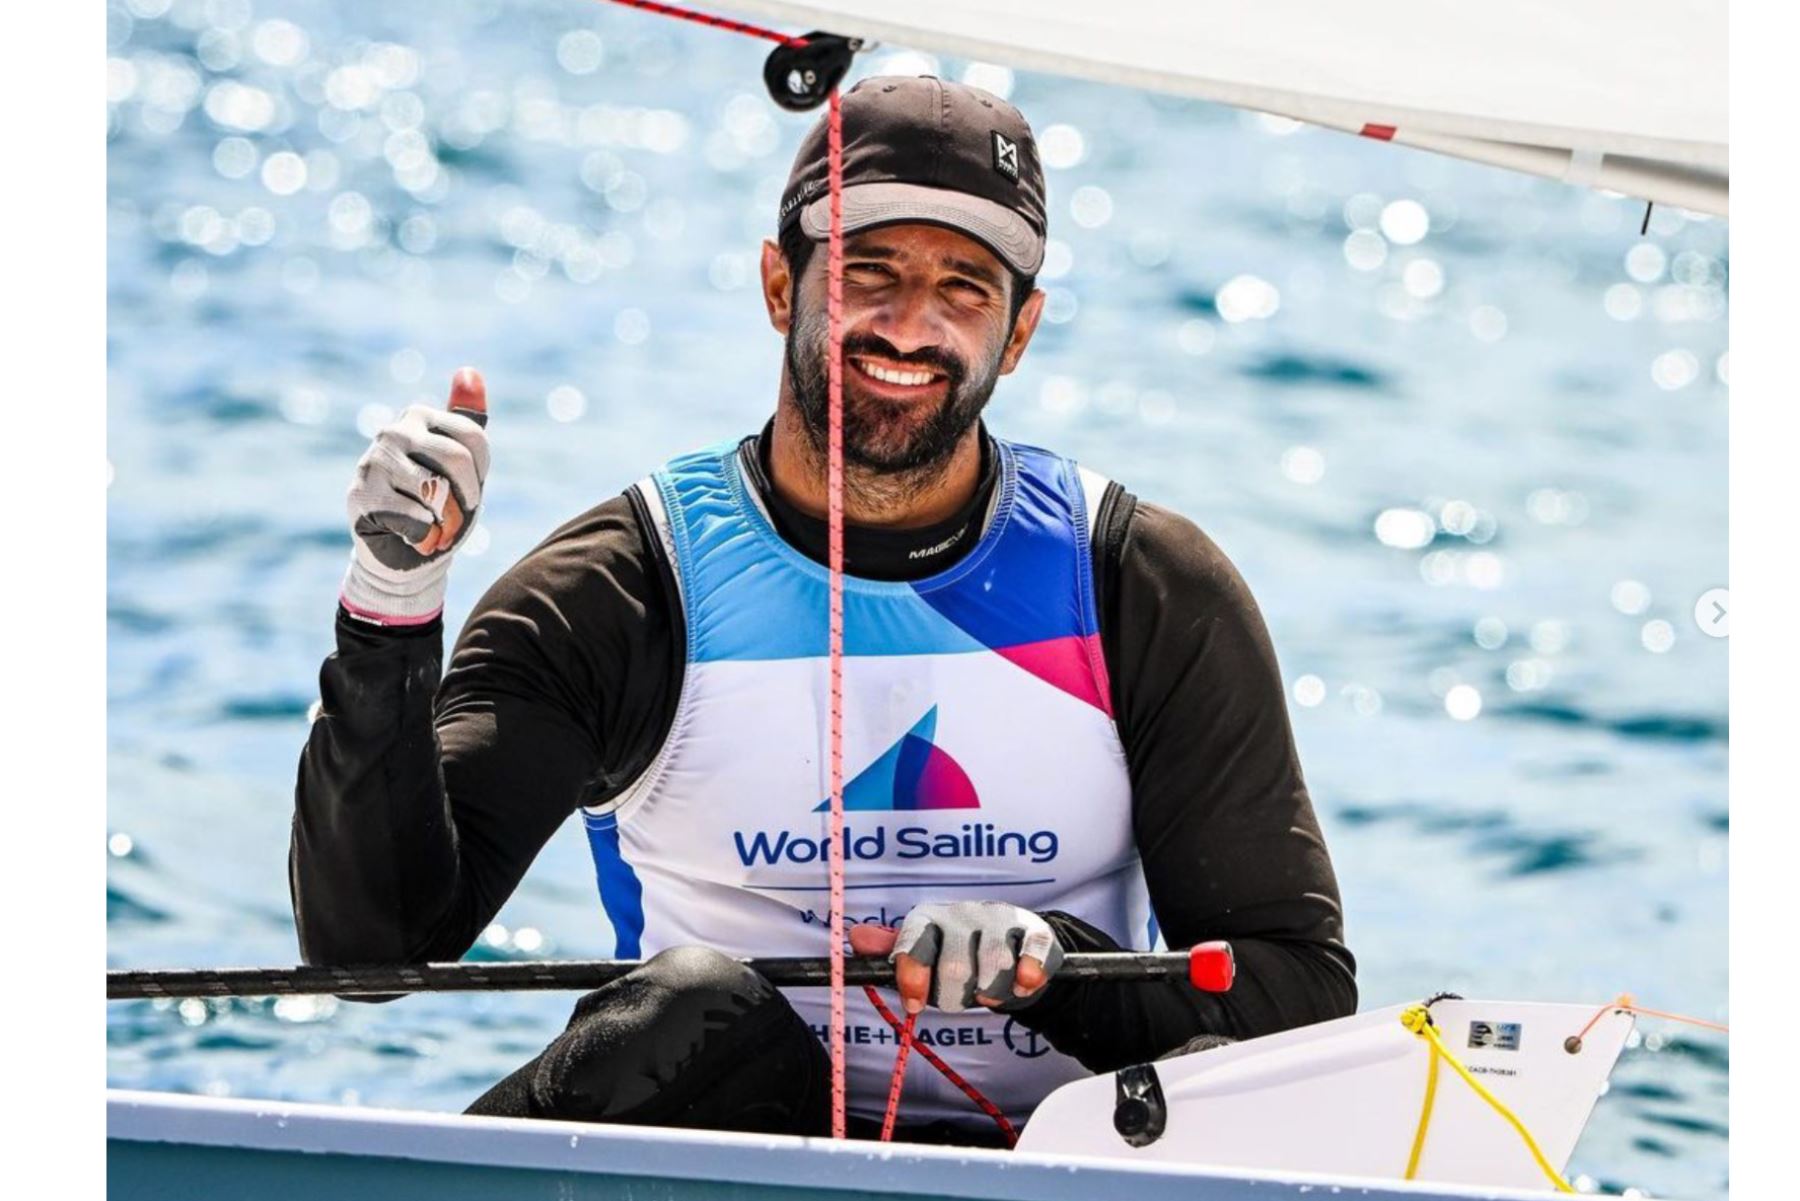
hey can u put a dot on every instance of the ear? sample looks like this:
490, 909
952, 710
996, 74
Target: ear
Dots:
777, 286
1022, 330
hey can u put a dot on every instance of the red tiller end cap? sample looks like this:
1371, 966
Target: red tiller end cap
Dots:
1212, 967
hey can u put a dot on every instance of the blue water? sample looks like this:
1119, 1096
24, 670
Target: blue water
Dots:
1464, 434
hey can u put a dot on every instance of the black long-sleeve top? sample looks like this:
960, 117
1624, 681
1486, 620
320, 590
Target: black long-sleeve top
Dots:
424, 794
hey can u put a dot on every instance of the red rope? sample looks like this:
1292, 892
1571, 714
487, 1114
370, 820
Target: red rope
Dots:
949, 1073
688, 14
898, 1079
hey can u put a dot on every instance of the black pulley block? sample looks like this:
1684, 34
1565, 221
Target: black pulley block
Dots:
801, 77
1139, 1113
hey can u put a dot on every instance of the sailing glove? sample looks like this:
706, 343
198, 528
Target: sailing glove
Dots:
402, 484
975, 947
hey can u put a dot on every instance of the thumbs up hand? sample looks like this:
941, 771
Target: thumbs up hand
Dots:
412, 502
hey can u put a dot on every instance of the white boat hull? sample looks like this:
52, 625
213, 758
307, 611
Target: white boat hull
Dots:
162, 1146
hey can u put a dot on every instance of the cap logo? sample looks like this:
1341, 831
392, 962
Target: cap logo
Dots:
1006, 156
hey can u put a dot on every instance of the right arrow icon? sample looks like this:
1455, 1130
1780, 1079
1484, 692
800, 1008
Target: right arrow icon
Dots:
1712, 613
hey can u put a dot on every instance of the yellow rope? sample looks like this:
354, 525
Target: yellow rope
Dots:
1418, 1147
1418, 1020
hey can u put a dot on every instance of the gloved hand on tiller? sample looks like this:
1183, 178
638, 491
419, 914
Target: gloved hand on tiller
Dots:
966, 953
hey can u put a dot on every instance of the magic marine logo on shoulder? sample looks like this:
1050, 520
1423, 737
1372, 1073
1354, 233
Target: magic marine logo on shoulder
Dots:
913, 775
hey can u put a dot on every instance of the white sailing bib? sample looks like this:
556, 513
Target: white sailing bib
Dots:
981, 760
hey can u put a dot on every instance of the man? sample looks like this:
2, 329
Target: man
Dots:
1065, 728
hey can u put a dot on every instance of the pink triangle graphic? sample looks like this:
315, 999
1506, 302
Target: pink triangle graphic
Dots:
1073, 664
943, 784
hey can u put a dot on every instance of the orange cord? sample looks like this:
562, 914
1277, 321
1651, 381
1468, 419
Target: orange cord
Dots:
1624, 1003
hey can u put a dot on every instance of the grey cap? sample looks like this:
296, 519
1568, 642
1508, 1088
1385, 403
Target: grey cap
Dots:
922, 149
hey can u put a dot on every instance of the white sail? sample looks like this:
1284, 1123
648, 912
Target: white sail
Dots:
1628, 95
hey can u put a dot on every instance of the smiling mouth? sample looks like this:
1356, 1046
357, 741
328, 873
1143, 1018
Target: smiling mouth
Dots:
894, 376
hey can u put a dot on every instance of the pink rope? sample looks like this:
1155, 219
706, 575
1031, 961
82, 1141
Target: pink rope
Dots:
834, 486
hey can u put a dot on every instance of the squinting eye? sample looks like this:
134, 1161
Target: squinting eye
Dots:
971, 288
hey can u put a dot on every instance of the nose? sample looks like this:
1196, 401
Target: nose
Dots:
907, 320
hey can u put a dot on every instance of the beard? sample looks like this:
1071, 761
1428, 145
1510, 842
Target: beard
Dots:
885, 437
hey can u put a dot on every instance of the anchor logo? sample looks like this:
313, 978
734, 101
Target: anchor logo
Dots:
1026, 1044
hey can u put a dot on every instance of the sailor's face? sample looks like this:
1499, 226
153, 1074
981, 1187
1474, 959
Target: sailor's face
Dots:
927, 333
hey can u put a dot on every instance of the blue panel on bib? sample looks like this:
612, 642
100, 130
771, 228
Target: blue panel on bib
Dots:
771, 612
750, 596
1026, 590
621, 892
